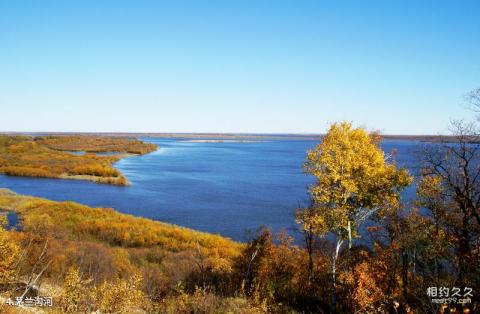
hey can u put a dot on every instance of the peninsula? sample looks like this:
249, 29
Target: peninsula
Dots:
69, 157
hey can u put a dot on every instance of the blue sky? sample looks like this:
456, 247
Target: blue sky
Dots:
236, 66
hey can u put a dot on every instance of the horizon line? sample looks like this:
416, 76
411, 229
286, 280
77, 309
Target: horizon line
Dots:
207, 133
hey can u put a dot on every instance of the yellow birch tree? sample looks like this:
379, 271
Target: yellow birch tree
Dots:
354, 181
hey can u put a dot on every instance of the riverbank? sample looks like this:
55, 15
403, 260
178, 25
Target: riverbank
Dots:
74, 221
106, 247
237, 136
69, 157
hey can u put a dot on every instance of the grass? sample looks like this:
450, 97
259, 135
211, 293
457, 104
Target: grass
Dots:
48, 157
106, 246
71, 221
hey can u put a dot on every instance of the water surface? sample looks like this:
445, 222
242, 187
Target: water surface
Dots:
225, 187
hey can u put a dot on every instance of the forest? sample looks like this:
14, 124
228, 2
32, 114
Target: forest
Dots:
52, 157
365, 248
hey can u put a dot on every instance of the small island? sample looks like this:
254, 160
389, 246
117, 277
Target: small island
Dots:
57, 156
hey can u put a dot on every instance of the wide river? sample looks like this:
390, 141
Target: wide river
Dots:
221, 187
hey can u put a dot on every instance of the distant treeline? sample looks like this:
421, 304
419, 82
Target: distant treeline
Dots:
239, 136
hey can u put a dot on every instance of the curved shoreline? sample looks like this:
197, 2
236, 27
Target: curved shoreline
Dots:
54, 157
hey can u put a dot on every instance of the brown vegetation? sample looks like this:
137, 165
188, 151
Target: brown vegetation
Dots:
46, 157
96, 144
106, 249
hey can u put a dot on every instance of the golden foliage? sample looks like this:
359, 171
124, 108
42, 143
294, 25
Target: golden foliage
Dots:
48, 157
203, 302
106, 247
8, 253
74, 221
96, 144
76, 294
353, 178
120, 296
129, 264
115, 296
368, 293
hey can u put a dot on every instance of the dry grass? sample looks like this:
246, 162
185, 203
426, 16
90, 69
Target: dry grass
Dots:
47, 157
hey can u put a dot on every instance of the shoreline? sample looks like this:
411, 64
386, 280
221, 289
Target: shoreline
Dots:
220, 141
72, 158
96, 179
231, 136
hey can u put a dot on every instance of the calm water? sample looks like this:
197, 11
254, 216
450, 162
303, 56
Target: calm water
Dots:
224, 188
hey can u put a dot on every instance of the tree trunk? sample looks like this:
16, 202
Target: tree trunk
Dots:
334, 273
309, 244
405, 273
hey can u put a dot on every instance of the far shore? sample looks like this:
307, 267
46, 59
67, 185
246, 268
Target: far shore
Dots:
221, 141
205, 137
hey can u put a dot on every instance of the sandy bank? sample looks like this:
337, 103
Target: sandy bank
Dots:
221, 141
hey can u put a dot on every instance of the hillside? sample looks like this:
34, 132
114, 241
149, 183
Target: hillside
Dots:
108, 248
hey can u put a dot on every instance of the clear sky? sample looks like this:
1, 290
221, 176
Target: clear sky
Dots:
236, 66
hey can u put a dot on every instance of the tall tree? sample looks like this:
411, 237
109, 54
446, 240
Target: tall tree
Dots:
450, 190
355, 181
473, 100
